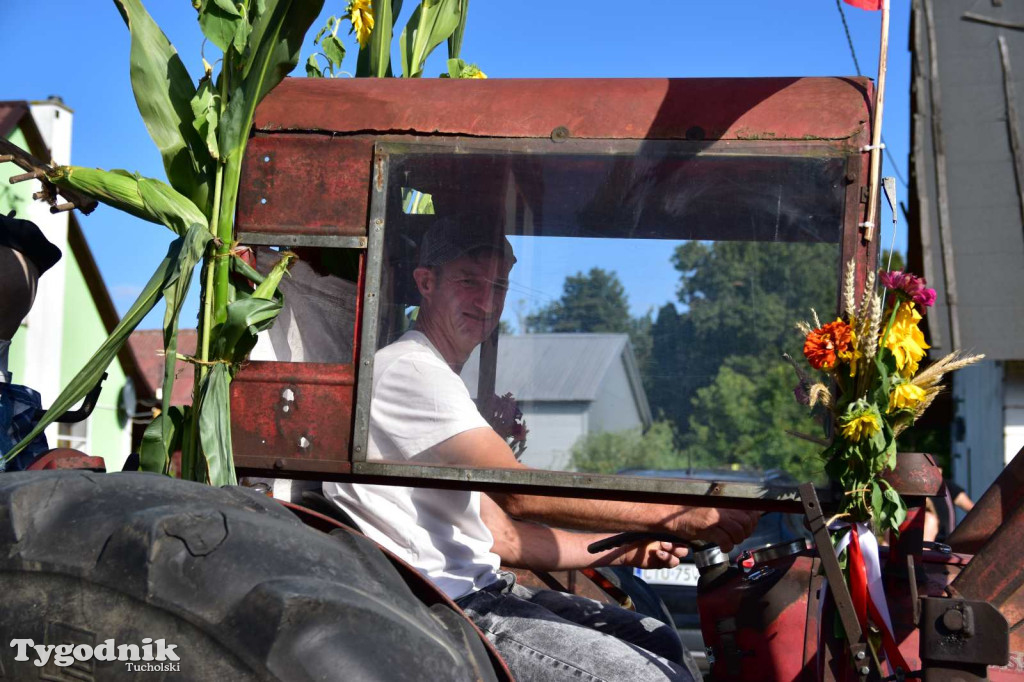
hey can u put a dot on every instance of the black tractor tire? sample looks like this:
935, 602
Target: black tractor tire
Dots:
239, 586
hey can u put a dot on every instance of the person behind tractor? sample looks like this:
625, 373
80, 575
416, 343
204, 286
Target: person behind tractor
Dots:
421, 412
25, 254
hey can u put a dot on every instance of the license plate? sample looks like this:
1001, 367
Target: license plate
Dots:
683, 574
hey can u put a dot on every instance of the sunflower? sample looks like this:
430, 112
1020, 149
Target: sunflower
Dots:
906, 340
905, 397
360, 12
861, 421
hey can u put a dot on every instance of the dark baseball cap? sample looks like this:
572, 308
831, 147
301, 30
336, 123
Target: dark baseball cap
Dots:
25, 237
449, 238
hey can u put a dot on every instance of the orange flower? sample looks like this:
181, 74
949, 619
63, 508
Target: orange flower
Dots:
825, 343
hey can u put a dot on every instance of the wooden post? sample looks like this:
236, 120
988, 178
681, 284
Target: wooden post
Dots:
876, 128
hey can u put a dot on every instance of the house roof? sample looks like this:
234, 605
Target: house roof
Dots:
18, 114
559, 367
148, 345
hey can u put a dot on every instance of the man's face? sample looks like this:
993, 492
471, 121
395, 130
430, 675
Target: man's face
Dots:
465, 298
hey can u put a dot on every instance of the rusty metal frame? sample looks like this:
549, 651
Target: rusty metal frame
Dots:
570, 484
371, 305
316, 240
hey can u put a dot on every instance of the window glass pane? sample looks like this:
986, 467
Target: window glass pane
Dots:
74, 436
644, 321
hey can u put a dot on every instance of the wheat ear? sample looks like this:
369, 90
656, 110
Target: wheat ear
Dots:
933, 374
849, 292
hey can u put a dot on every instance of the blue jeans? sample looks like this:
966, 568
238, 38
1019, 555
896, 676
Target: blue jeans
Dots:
546, 636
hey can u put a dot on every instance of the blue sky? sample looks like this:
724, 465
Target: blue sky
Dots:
79, 51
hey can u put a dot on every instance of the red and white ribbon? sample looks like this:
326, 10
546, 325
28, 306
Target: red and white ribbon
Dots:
868, 594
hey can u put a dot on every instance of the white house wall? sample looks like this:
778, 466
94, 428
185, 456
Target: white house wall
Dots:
615, 408
45, 322
978, 437
553, 429
1013, 409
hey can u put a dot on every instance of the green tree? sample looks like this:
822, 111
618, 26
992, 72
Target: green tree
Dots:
717, 368
592, 302
610, 452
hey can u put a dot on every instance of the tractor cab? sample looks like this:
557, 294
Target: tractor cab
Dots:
667, 234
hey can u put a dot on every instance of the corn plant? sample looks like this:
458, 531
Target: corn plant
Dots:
201, 129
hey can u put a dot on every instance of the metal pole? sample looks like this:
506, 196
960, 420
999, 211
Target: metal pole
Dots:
876, 128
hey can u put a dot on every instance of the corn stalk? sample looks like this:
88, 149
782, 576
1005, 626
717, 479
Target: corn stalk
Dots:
201, 130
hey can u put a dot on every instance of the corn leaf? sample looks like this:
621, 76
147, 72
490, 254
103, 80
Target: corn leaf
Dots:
144, 198
375, 59
163, 91
272, 53
215, 425
252, 312
174, 294
155, 453
192, 469
206, 113
455, 40
433, 22
169, 270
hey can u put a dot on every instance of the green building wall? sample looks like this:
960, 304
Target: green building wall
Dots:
83, 333
108, 433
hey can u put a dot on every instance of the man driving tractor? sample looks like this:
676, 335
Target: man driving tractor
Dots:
422, 412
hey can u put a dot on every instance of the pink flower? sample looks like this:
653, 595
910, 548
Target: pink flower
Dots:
909, 286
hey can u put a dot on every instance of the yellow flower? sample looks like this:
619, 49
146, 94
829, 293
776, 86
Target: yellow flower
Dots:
906, 340
905, 397
860, 421
473, 71
360, 13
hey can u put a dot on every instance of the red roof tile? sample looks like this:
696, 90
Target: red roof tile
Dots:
148, 345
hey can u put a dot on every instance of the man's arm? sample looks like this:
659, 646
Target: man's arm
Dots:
484, 448
523, 544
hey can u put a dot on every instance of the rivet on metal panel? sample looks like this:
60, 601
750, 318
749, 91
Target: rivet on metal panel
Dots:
864, 670
850, 178
279, 464
304, 443
287, 398
366, 363
266, 159
560, 134
263, 200
359, 448
378, 222
378, 176
861, 656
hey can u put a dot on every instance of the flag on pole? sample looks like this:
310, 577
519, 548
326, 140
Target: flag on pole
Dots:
873, 5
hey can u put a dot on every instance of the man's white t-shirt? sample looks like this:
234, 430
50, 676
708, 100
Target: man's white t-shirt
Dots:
418, 402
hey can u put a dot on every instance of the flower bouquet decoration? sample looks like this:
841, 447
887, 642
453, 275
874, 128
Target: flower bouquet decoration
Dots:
874, 388
505, 417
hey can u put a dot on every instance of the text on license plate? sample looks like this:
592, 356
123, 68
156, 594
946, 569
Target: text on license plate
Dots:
683, 574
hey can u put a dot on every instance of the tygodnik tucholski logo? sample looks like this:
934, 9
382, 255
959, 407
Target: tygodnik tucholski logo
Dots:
150, 655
